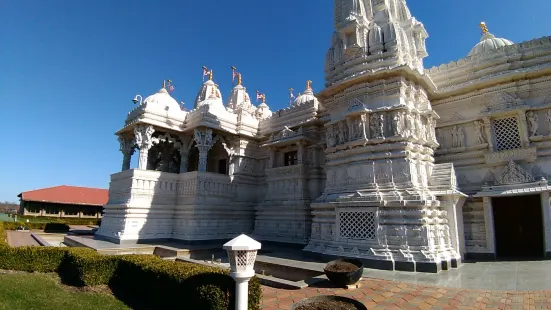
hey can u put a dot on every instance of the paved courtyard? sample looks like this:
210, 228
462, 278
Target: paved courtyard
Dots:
385, 294
20, 238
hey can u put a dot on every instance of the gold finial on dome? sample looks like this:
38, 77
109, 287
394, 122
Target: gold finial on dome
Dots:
164, 83
484, 27
210, 74
239, 79
308, 84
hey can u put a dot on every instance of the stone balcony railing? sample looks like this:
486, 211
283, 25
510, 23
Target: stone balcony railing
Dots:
206, 183
155, 187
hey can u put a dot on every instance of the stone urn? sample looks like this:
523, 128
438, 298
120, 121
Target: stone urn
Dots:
343, 272
324, 302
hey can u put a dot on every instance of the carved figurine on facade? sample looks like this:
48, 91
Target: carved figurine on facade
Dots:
398, 123
458, 138
410, 120
330, 136
533, 121
479, 132
420, 127
342, 133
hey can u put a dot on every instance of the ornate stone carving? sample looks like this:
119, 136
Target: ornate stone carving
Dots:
143, 135
342, 133
410, 122
398, 123
479, 132
514, 174
127, 147
420, 127
458, 137
533, 122
377, 124
529, 154
330, 136
183, 146
203, 142
455, 117
502, 101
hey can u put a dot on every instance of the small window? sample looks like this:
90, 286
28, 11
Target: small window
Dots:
291, 158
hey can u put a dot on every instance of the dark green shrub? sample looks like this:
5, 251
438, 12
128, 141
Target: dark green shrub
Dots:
56, 227
31, 258
149, 277
141, 281
85, 267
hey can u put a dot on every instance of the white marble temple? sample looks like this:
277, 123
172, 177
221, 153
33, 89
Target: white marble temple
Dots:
390, 162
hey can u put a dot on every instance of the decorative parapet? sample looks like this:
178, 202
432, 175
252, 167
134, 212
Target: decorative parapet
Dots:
500, 157
286, 172
286, 136
207, 184
159, 187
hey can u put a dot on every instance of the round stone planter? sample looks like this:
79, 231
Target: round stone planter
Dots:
329, 303
343, 278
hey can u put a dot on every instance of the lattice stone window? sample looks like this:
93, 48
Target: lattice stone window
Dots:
506, 133
242, 259
357, 224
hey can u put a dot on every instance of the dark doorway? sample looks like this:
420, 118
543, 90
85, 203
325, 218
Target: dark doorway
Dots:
222, 164
518, 227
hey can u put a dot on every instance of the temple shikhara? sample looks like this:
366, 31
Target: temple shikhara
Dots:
403, 167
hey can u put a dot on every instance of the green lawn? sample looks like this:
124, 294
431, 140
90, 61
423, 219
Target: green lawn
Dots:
27, 291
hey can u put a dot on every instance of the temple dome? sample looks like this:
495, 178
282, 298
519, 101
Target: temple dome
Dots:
263, 111
305, 97
161, 101
240, 100
488, 42
209, 94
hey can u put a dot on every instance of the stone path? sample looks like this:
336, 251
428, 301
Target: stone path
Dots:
20, 238
384, 294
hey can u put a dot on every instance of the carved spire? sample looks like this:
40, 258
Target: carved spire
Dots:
484, 28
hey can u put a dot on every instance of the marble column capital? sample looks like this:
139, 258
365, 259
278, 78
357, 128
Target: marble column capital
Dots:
144, 136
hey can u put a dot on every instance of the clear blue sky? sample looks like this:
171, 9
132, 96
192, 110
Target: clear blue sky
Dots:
69, 69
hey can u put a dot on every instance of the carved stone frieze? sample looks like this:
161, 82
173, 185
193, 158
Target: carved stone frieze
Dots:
513, 174
527, 154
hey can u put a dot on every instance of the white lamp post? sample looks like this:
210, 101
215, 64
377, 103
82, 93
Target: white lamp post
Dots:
242, 254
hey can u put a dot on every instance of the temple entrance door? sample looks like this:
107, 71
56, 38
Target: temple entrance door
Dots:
518, 227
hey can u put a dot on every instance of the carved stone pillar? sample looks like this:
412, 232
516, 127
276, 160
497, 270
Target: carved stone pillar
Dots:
203, 140
143, 135
183, 147
271, 158
489, 224
300, 152
488, 131
127, 147
546, 210
523, 129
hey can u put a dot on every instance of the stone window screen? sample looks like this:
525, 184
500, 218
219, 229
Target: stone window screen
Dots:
241, 259
506, 133
357, 224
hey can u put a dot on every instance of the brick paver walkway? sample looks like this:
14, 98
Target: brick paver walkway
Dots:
383, 294
20, 238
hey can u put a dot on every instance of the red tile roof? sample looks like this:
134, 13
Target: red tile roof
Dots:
68, 195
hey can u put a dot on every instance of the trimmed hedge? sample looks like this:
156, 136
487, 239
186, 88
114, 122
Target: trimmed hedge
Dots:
141, 281
66, 220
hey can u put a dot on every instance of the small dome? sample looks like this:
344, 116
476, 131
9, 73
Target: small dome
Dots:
239, 99
209, 94
263, 111
488, 42
307, 96
162, 102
